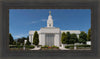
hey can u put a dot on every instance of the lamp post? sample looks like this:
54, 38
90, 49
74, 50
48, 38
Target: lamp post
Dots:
24, 44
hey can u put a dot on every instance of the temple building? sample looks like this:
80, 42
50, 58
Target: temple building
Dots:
50, 35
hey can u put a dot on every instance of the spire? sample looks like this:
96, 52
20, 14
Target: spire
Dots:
49, 12
49, 17
50, 20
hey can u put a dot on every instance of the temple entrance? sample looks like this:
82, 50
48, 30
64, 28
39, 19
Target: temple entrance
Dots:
49, 39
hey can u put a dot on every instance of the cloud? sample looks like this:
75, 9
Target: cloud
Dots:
39, 21
43, 20
17, 36
20, 35
34, 22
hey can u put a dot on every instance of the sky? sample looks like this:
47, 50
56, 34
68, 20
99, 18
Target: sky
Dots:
21, 21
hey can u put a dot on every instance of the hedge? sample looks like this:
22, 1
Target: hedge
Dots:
18, 46
71, 46
30, 46
83, 45
49, 46
45, 46
78, 46
55, 47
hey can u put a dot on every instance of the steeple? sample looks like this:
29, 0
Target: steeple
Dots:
49, 12
50, 20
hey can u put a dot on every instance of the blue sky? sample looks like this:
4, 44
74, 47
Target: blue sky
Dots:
21, 21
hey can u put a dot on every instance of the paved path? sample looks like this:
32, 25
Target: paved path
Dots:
38, 48
61, 48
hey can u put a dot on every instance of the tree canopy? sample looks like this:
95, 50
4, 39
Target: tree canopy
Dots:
11, 40
27, 43
89, 35
64, 38
68, 37
21, 40
82, 37
73, 39
36, 38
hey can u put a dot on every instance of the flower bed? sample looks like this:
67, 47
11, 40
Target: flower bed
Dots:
49, 48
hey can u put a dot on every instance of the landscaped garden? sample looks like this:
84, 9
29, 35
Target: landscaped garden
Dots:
67, 38
49, 47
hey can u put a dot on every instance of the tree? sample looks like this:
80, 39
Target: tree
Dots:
64, 38
11, 40
27, 43
14, 43
18, 43
89, 35
80, 40
36, 38
82, 37
73, 39
68, 37
21, 40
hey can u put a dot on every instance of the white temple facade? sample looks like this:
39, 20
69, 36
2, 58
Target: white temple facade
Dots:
50, 35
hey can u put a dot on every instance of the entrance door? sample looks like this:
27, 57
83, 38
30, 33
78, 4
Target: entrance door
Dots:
49, 39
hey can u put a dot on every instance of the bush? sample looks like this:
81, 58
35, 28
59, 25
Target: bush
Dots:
83, 45
28, 43
29, 46
18, 43
55, 47
15, 46
71, 46
14, 43
44, 46
18, 46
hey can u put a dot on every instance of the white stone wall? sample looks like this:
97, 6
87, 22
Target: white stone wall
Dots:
31, 38
50, 30
57, 40
42, 39
77, 35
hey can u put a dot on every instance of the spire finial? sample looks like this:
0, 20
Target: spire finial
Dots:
49, 12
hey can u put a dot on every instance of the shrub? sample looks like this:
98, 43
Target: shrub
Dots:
71, 46
45, 46
29, 46
14, 43
18, 43
15, 46
55, 47
83, 45
18, 46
